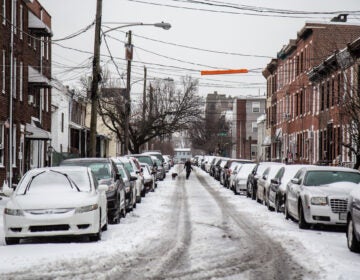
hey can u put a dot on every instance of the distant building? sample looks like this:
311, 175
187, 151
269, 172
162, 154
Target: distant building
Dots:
182, 154
246, 111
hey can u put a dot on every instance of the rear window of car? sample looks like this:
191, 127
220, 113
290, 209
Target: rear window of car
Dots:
323, 177
145, 159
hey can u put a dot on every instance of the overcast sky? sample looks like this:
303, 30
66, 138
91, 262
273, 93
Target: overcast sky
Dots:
251, 36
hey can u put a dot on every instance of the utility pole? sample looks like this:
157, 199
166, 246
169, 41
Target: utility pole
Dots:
129, 54
96, 78
144, 95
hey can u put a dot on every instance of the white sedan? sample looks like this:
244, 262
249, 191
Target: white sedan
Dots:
56, 201
319, 195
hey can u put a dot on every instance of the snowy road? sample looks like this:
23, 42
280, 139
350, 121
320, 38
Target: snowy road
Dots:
189, 229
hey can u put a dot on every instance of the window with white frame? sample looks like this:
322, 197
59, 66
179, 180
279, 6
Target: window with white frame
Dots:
21, 80
254, 127
253, 151
2, 144
3, 12
255, 107
3, 68
14, 146
15, 77
21, 21
15, 17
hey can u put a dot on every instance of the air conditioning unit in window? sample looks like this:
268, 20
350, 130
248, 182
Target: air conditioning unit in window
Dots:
31, 99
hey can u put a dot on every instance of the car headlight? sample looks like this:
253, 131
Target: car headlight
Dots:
13, 212
318, 200
87, 208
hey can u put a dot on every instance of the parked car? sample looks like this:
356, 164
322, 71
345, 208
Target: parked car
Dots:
229, 167
207, 163
319, 195
240, 180
255, 174
212, 166
218, 168
278, 185
106, 173
56, 201
167, 162
233, 175
149, 177
133, 166
160, 163
142, 158
353, 221
263, 184
130, 188
159, 168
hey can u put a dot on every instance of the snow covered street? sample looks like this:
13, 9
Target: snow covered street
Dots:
189, 229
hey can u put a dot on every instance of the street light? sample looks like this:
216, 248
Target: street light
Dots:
96, 76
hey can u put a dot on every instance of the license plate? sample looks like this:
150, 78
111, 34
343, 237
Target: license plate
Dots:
342, 216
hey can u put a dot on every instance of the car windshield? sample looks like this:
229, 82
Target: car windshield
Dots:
323, 177
101, 169
129, 166
122, 171
145, 159
52, 181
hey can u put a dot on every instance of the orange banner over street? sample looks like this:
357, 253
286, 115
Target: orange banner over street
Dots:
220, 72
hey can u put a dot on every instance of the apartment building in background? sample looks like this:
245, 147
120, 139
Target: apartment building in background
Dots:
299, 132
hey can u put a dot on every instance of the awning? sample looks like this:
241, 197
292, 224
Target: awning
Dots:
75, 126
36, 133
37, 79
37, 26
267, 141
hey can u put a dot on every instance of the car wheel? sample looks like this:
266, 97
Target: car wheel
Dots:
277, 204
253, 194
105, 227
123, 213
257, 198
12, 240
286, 211
138, 198
96, 236
302, 223
352, 242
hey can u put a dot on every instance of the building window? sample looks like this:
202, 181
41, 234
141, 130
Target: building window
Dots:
47, 96
21, 80
3, 68
42, 103
322, 97
21, 21
15, 77
254, 127
255, 107
253, 151
3, 12
15, 17
13, 148
2, 144
62, 122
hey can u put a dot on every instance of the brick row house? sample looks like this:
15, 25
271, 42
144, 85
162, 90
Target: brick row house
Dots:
25, 98
301, 114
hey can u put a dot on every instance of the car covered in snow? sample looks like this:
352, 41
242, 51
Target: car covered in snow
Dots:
56, 201
242, 173
353, 221
319, 195
278, 185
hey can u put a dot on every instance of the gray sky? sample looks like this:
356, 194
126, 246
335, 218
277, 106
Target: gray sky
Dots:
257, 37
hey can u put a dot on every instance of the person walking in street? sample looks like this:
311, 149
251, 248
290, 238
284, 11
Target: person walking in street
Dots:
188, 168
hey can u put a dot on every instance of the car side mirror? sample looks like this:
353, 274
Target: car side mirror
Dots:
275, 181
133, 178
117, 176
295, 181
8, 191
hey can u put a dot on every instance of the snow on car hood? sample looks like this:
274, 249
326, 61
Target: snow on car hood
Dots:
59, 200
338, 189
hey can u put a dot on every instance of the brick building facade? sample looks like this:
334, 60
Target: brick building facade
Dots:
294, 104
25, 98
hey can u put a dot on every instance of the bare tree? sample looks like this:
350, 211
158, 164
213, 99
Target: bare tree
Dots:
167, 110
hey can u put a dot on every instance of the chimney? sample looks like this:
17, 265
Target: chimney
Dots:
340, 18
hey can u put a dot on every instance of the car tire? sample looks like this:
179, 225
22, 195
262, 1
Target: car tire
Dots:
12, 240
302, 222
138, 198
253, 193
123, 213
352, 242
97, 236
105, 227
286, 211
277, 204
